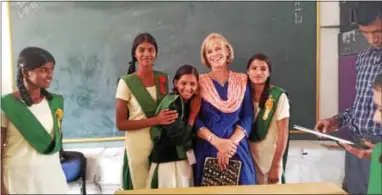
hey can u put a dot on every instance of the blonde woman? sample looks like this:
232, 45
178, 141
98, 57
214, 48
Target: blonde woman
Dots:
226, 112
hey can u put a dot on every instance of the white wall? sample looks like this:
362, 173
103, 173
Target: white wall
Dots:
6, 74
329, 59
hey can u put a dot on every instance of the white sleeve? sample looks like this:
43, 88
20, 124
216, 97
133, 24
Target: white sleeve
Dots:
123, 91
282, 110
4, 120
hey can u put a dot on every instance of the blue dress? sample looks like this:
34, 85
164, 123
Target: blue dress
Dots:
223, 125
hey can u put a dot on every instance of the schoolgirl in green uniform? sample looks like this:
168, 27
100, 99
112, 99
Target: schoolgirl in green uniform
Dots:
172, 156
138, 94
31, 129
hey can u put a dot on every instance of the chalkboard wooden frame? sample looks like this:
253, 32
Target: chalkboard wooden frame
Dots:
121, 138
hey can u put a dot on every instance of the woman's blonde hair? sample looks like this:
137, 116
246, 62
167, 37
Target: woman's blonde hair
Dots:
211, 38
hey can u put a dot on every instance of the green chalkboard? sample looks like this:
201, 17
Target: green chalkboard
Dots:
91, 43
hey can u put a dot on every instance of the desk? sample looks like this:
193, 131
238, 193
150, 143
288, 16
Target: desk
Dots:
300, 188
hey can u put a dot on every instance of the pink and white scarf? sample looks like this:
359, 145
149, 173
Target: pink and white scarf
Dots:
236, 89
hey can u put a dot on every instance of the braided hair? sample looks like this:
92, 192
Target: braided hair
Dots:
31, 58
265, 93
139, 39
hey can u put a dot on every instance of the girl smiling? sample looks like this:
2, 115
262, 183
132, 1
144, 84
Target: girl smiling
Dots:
172, 155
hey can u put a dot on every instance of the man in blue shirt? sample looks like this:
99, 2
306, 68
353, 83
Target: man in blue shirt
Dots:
359, 117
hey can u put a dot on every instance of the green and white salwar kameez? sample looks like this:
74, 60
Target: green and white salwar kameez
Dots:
170, 167
31, 162
176, 174
141, 102
263, 140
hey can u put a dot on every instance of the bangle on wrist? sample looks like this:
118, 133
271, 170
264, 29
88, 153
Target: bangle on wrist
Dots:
209, 139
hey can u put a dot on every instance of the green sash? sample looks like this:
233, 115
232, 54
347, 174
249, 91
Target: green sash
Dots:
29, 126
147, 103
264, 118
165, 103
156, 131
375, 179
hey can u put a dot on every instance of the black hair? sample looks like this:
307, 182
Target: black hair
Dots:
184, 70
139, 39
368, 12
29, 59
265, 92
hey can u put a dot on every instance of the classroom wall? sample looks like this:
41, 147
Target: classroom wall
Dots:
329, 58
100, 159
328, 98
6, 77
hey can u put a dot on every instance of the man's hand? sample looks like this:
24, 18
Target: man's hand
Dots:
327, 125
361, 153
